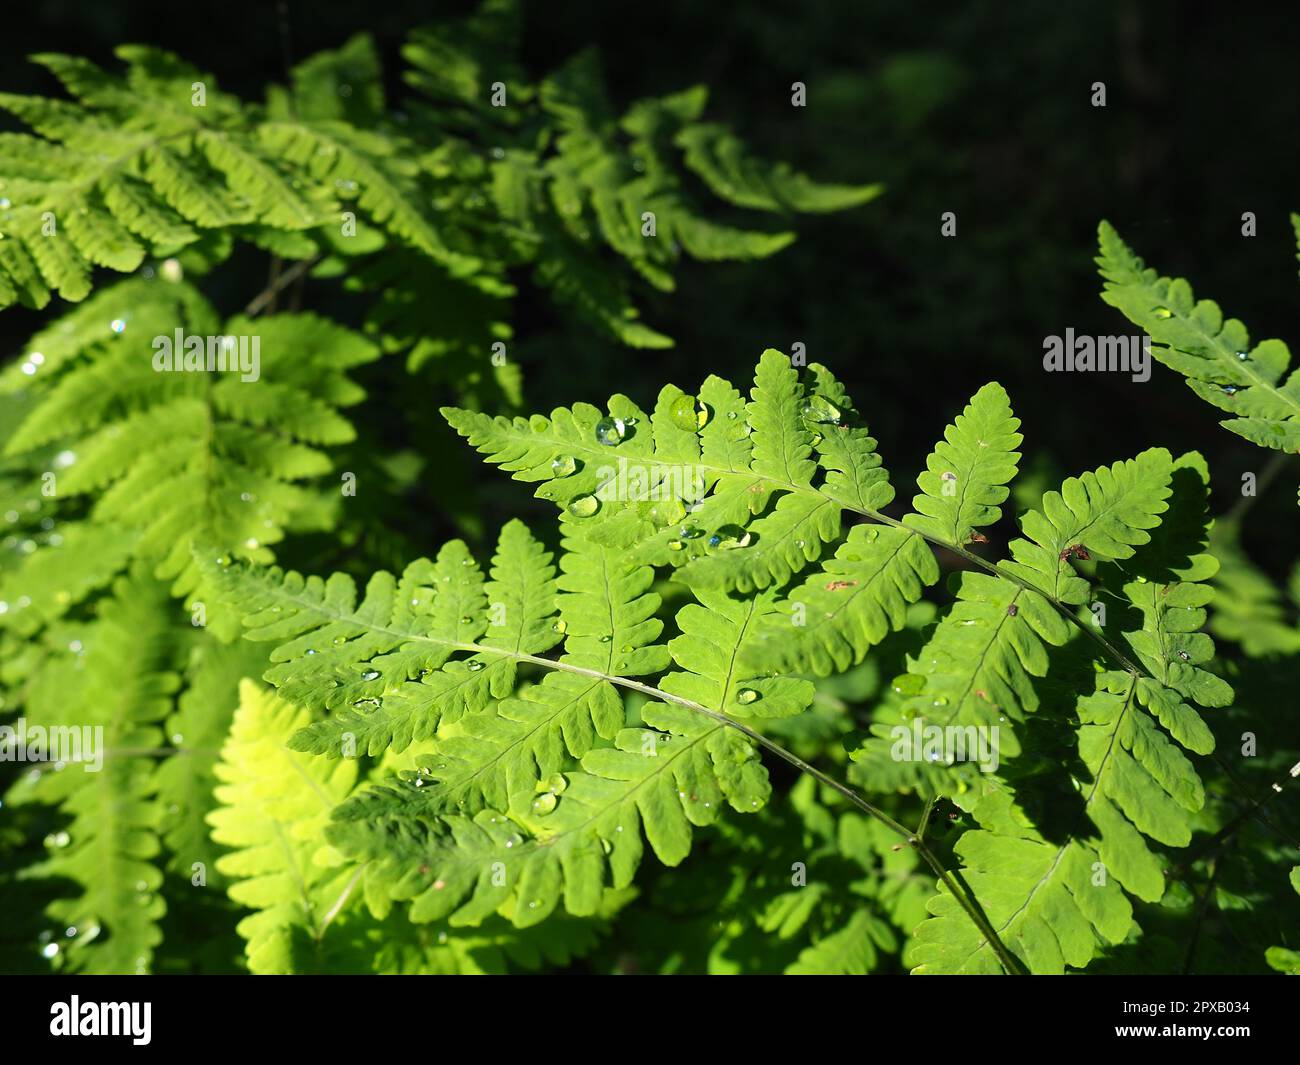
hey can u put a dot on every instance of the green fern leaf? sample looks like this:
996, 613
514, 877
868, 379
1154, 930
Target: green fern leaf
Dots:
1214, 354
273, 803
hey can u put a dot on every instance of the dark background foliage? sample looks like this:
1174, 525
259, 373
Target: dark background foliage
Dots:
981, 109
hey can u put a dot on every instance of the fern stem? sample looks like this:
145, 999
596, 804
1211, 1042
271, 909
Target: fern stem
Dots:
1128, 664
282, 280
925, 816
914, 839
339, 903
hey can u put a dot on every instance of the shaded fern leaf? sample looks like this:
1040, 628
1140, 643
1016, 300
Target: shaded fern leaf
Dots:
108, 702
215, 457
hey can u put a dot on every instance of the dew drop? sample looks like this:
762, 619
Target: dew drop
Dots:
688, 413
819, 409
610, 431
1243, 355
474, 665
370, 674
555, 783
560, 626
50, 950
730, 537
675, 545
563, 466
746, 695
1163, 312
118, 325
908, 684
584, 506
544, 804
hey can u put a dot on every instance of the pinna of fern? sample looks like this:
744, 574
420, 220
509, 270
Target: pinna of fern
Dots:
541, 786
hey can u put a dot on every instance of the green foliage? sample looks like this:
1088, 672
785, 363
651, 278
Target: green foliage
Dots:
554, 781
1213, 353
613, 740
150, 433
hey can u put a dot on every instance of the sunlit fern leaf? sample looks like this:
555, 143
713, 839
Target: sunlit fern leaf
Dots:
1004, 627
967, 473
854, 476
1214, 354
273, 803
980, 663
67, 570
714, 633
1105, 513
685, 489
153, 160
1051, 902
587, 827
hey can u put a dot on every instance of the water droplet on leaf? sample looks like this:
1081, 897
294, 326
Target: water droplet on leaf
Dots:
610, 431
908, 684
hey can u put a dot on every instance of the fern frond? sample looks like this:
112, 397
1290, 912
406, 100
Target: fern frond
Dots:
196, 731
723, 162
1283, 959
1106, 512
273, 804
112, 694
211, 457
966, 475
1214, 354
1053, 904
